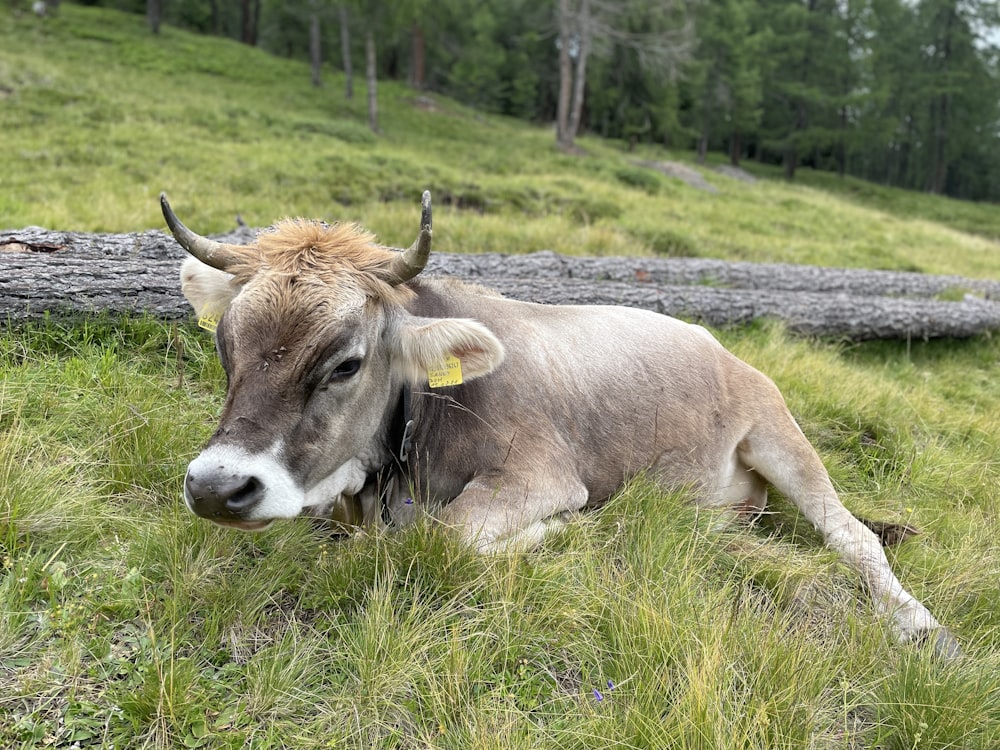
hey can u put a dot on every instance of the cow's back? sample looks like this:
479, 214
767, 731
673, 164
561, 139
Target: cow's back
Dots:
608, 390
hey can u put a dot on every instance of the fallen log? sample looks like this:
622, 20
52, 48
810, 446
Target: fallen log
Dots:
64, 273
712, 272
838, 315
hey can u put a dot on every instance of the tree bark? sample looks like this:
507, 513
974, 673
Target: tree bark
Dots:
580, 71
315, 43
735, 148
371, 78
154, 13
246, 18
842, 144
712, 273
941, 111
45, 273
851, 317
345, 51
418, 58
790, 159
563, 137
702, 152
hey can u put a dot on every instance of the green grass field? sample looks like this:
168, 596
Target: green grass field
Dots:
126, 622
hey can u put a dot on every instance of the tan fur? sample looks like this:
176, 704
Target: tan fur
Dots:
338, 255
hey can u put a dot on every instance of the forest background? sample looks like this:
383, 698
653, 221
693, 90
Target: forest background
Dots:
126, 622
900, 92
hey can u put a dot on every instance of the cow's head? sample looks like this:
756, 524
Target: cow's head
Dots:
317, 345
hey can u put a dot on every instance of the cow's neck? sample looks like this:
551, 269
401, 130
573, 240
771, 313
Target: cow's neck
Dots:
401, 427
399, 443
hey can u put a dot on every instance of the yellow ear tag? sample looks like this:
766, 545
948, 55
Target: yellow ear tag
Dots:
449, 372
209, 322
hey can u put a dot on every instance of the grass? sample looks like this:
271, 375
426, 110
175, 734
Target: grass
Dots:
228, 130
126, 622
130, 623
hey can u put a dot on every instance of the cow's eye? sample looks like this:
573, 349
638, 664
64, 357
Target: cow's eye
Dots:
344, 370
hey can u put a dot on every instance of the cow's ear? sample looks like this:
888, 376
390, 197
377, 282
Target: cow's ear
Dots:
427, 345
207, 289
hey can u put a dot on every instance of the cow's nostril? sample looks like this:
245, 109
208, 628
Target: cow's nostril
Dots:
210, 495
245, 497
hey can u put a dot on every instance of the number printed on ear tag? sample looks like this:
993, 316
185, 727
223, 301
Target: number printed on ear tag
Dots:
447, 373
209, 322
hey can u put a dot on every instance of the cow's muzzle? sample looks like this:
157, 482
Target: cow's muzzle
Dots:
227, 498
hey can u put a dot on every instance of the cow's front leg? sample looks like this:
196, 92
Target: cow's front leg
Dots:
498, 512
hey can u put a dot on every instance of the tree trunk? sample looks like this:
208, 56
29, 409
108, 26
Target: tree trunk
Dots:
371, 79
563, 137
905, 162
849, 317
735, 148
939, 170
789, 161
941, 112
246, 17
791, 155
45, 273
580, 73
710, 272
842, 144
315, 48
345, 51
703, 145
417, 62
154, 14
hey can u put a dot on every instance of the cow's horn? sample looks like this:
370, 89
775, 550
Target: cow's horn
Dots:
219, 255
411, 262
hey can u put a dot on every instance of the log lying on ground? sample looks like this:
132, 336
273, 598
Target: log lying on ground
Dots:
711, 272
854, 317
65, 274
59, 273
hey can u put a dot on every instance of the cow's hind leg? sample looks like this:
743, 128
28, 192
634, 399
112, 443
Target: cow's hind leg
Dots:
498, 512
738, 492
778, 450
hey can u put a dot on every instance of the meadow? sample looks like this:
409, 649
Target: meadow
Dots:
126, 622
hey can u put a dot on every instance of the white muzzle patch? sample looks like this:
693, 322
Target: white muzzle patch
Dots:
281, 495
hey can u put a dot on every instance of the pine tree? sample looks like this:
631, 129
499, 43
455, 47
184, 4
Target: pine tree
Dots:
724, 77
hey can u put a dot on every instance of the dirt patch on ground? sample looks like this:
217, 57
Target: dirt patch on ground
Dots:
683, 172
425, 103
736, 173
691, 176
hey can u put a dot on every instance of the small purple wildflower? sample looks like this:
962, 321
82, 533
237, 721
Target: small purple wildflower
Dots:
611, 685
408, 501
597, 695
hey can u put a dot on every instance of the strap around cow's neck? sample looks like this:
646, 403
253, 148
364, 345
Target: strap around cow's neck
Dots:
400, 441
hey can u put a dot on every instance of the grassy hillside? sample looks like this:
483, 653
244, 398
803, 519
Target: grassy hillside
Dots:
98, 116
126, 622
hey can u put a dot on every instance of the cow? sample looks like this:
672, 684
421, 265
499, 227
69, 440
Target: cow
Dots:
358, 390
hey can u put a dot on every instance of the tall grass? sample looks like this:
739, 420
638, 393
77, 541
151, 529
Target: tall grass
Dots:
126, 622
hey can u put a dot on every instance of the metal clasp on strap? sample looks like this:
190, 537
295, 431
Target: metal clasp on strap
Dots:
406, 442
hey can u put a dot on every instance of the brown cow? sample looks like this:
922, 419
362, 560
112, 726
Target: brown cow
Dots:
352, 380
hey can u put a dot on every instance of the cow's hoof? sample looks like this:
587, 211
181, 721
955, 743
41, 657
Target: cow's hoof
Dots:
942, 642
